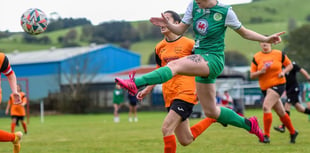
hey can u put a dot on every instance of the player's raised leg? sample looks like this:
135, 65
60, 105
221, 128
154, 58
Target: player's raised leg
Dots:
225, 115
12, 137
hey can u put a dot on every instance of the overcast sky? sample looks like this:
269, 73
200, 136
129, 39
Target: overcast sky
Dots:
96, 11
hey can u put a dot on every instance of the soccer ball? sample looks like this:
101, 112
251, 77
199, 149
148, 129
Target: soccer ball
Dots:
34, 21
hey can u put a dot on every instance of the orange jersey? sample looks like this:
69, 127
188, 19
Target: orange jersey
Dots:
1, 62
18, 110
2, 56
274, 60
180, 86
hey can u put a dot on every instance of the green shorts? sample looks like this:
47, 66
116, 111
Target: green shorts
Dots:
216, 66
118, 102
307, 99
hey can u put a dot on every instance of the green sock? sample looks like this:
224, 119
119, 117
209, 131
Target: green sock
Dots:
228, 116
157, 76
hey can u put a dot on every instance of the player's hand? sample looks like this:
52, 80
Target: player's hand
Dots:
159, 21
281, 74
275, 38
264, 69
142, 94
17, 99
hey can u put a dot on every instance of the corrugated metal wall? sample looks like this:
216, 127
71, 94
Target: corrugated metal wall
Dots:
45, 77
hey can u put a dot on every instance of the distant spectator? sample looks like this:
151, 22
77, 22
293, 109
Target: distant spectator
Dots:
227, 100
218, 98
118, 100
17, 111
306, 94
133, 101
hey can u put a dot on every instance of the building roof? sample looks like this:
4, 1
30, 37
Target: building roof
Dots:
108, 78
50, 55
139, 70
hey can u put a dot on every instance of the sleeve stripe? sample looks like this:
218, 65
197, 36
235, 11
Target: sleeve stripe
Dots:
8, 71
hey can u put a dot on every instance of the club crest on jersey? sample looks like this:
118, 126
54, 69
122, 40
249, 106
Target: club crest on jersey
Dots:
202, 26
178, 49
217, 16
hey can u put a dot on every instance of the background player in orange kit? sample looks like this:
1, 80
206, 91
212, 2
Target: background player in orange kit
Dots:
17, 110
270, 66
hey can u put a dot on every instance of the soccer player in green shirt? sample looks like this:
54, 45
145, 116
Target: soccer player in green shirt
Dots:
118, 100
210, 20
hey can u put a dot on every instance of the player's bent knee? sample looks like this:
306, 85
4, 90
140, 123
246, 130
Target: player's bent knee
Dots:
266, 109
186, 142
166, 131
174, 66
210, 114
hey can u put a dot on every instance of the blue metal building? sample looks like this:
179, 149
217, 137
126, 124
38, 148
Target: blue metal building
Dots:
46, 70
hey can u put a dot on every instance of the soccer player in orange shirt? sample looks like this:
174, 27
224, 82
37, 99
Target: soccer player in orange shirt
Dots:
267, 65
179, 92
6, 69
209, 20
17, 110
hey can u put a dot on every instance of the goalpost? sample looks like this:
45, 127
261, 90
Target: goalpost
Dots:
24, 83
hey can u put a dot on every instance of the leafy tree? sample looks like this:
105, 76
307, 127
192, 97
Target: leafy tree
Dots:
4, 34
257, 19
87, 32
152, 59
66, 23
299, 45
53, 26
45, 40
71, 35
126, 44
116, 31
70, 22
78, 72
37, 40
144, 29
29, 38
155, 33
235, 58
308, 18
69, 40
292, 25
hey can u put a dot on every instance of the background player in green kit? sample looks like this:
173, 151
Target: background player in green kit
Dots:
306, 94
118, 100
210, 20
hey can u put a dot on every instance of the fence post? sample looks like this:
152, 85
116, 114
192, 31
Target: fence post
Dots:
42, 111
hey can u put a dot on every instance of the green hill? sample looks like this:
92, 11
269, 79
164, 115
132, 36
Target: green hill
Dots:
272, 15
275, 15
273, 10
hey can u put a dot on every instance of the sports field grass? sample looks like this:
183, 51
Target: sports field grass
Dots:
99, 134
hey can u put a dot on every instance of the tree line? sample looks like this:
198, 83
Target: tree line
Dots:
126, 33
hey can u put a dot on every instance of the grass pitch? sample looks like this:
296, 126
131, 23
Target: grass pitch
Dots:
99, 134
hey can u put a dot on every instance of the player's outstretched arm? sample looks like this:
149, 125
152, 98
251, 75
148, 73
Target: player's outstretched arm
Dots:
13, 85
144, 92
162, 21
305, 73
252, 35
